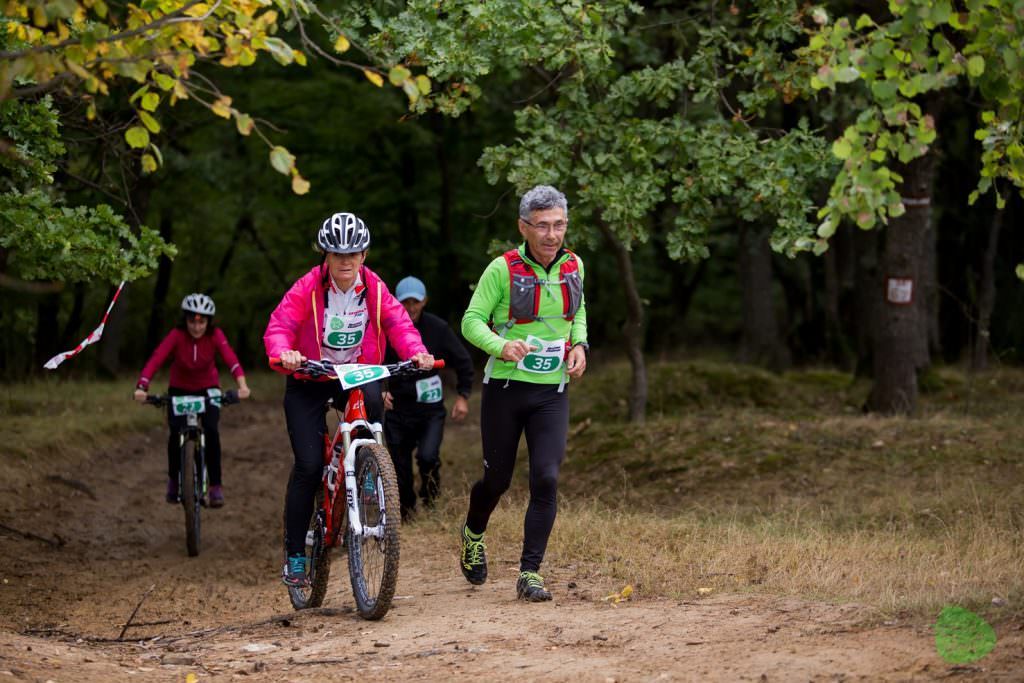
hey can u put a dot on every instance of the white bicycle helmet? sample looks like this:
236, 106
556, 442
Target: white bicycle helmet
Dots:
343, 233
198, 303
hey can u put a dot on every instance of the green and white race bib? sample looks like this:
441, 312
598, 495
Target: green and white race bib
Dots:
547, 358
428, 390
188, 405
344, 332
216, 396
353, 375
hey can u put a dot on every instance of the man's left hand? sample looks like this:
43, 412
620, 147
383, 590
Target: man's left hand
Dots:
577, 362
460, 409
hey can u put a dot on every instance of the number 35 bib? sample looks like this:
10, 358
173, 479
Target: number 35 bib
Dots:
547, 358
344, 332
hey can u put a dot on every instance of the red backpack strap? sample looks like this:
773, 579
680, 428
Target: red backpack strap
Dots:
518, 268
570, 265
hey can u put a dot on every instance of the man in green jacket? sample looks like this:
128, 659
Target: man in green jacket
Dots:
528, 314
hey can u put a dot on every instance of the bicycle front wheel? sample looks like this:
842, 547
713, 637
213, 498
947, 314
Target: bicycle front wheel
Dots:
373, 555
191, 493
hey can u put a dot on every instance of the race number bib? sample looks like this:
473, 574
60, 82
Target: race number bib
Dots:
547, 357
428, 390
344, 332
353, 375
216, 396
188, 405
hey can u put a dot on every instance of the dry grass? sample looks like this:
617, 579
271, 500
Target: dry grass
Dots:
51, 416
740, 481
780, 486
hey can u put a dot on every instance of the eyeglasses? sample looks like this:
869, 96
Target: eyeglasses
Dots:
558, 227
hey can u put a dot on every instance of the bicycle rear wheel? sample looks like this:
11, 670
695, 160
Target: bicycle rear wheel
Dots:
373, 555
318, 559
191, 493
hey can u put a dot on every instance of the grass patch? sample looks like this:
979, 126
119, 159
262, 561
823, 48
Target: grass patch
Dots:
50, 416
741, 480
748, 481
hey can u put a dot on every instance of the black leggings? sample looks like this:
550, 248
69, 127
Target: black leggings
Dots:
211, 434
506, 410
421, 430
305, 413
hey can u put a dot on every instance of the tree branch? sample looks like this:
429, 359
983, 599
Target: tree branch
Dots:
174, 17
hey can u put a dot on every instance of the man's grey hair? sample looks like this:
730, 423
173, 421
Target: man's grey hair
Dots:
540, 198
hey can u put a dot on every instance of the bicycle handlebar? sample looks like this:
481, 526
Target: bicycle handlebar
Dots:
226, 399
320, 369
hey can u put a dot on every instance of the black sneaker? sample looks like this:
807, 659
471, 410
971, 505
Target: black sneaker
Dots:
172, 491
530, 587
473, 559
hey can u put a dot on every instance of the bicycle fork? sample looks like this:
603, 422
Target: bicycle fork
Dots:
352, 486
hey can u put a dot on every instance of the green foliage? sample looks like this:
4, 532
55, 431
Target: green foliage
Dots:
463, 41
47, 241
919, 48
32, 131
89, 46
616, 141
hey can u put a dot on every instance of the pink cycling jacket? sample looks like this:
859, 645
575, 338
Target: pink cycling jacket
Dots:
193, 362
297, 321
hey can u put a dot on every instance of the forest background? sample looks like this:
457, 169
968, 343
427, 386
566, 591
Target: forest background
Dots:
743, 177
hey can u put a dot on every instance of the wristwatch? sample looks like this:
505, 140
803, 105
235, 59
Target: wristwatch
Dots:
583, 345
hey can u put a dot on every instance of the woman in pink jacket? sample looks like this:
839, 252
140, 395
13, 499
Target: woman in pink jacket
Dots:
339, 311
192, 348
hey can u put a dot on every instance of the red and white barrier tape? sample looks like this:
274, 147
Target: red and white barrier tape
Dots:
93, 337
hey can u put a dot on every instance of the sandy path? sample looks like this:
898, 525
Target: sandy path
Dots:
224, 614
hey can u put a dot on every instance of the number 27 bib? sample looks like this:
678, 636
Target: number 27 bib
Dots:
428, 390
547, 357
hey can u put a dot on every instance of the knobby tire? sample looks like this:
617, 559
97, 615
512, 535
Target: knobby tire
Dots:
373, 562
191, 494
318, 557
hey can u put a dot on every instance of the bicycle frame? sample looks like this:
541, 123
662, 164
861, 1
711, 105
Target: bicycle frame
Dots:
343, 442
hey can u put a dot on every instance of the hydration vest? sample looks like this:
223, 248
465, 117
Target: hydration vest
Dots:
524, 298
525, 289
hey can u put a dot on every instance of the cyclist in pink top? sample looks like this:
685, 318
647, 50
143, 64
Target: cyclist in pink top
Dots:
339, 311
192, 348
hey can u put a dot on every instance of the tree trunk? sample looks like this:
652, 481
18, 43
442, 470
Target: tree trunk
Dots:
47, 334
70, 335
761, 343
840, 270
901, 340
408, 217
986, 294
867, 302
930, 292
155, 328
109, 357
113, 334
633, 328
453, 298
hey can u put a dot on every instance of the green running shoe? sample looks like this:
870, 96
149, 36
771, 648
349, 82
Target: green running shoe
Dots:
530, 587
473, 559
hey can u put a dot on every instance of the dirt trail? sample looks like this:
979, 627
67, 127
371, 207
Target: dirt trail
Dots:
225, 616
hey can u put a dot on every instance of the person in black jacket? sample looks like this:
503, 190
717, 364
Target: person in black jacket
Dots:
415, 407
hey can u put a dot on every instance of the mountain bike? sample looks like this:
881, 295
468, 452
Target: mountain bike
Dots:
356, 462
192, 477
